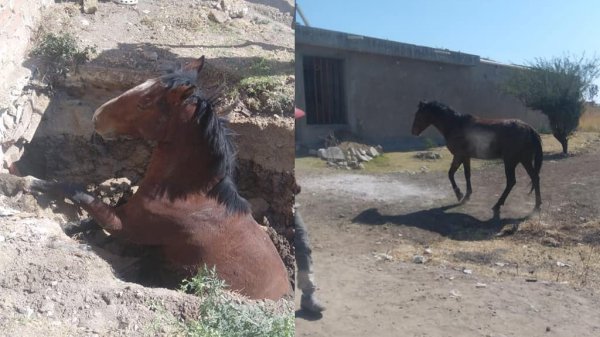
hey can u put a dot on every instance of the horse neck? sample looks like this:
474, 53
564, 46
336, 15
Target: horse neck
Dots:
182, 165
446, 123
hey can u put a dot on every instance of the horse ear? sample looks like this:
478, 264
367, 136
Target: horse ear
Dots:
195, 65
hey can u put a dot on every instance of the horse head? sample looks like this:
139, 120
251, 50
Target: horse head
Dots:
146, 110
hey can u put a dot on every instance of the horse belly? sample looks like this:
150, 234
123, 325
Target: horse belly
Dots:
483, 144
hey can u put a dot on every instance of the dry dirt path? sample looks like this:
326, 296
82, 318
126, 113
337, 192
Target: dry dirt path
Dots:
354, 217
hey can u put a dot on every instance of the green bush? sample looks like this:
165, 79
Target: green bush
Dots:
223, 316
558, 88
60, 54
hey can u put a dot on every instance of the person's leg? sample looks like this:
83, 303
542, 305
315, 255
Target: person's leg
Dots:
305, 276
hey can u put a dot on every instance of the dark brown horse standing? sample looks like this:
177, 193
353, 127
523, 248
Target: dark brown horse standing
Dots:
468, 137
187, 203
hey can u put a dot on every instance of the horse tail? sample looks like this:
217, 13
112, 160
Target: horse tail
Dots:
538, 155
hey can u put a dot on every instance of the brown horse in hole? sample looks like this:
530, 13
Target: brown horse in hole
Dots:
187, 203
468, 137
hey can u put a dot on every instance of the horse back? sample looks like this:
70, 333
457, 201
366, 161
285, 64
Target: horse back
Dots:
492, 138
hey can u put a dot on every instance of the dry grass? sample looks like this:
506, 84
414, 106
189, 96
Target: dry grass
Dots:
391, 162
590, 120
519, 256
579, 142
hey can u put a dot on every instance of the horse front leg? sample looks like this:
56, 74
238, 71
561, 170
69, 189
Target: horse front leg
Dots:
104, 215
509, 170
467, 168
456, 162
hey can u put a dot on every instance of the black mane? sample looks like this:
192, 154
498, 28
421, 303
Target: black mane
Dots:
445, 110
217, 134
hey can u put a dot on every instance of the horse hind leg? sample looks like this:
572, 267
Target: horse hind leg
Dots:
535, 183
456, 162
467, 168
509, 170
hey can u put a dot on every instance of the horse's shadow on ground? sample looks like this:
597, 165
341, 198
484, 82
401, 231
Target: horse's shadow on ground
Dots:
453, 225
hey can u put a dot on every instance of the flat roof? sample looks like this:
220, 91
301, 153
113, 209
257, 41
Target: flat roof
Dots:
363, 44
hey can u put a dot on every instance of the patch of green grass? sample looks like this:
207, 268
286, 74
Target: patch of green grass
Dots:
310, 163
223, 316
60, 54
266, 94
260, 67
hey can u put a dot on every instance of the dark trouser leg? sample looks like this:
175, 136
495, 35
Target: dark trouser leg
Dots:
303, 256
305, 275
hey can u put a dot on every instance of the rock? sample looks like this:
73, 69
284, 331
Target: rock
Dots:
480, 285
106, 297
372, 152
428, 155
363, 158
27, 311
428, 251
500, 264
361, 166
85, 22
2, 238
224, 5
238, 12
419, 259
90, 6
562, 264
218, 17
467, 271
455, 293
333, 153
47, 308
383, 257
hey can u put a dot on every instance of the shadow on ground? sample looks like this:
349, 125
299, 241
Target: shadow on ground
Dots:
453, 225
308, 315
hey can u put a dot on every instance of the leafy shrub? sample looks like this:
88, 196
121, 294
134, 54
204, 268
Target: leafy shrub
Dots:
60, 54
223, 316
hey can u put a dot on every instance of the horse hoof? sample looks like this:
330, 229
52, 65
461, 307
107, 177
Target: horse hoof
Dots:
496, 211
459, 196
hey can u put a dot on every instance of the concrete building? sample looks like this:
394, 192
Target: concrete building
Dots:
371, 87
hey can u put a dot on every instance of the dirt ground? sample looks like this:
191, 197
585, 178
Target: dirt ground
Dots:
366, 229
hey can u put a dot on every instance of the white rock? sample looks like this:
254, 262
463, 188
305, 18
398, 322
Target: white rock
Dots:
372, 152
480, 285
467, 271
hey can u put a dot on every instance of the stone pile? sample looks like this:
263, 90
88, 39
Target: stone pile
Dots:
352, 158
227, 9
428, 155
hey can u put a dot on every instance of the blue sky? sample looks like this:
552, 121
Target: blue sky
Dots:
508, 31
